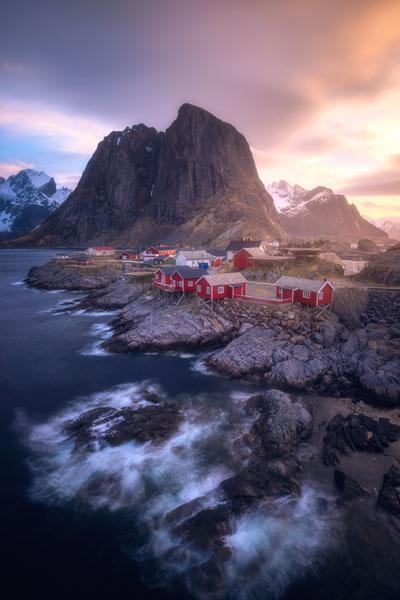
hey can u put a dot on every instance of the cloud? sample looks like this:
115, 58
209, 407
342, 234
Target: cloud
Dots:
7, 169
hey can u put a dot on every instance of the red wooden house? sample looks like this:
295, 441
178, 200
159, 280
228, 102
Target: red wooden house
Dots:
177, 279
220, 286
246, 257
306, 291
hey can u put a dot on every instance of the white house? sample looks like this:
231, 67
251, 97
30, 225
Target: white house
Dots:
193, 258
100, 251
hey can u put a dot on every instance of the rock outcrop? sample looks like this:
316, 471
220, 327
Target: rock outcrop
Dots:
357, 432
196, 181
54, 276
389, 494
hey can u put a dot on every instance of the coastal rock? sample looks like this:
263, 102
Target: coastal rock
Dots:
280, 422
116, 295
357, 432
55, 276
382, 380
389, 495
298, 374
151, 423
252, 352
150, 324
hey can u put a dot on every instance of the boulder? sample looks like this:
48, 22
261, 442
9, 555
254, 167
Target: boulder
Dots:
389, 494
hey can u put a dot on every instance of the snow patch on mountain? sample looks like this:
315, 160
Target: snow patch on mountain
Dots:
389, 224
26, 200
294, 200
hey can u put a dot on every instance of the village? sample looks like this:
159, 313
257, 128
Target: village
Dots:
176, 274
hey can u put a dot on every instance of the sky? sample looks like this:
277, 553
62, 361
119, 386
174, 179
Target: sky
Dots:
314, 85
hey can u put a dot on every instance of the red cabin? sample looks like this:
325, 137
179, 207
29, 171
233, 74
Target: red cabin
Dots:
246, 257
177, 279
306, 291
221, 285
216, 262
184, 279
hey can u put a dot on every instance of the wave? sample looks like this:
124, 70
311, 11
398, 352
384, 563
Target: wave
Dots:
164, 485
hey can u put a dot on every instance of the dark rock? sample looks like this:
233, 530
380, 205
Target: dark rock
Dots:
357, 432
280, 423
117, 426
389, 495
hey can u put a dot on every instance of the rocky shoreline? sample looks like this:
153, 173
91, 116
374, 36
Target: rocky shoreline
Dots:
343, 442
353, 351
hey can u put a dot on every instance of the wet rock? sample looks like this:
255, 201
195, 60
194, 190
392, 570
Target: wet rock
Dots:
154, 423
357, 432
389, 494
348, 487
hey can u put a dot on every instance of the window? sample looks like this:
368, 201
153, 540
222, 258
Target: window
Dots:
180, 283
221, 289
320, 295
306, 294
190, 283
198, 288
208, 289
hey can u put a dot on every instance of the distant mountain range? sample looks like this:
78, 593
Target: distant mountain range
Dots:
320, 213
196, 183
389, 224
26, 200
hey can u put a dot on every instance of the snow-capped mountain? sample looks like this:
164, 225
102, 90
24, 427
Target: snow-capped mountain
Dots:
320, 213
26, 200
389, 224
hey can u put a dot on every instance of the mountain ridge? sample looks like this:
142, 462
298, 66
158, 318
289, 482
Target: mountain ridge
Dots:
26, 200
320, 212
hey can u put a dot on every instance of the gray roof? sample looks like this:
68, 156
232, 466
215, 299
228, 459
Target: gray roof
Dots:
225, 278
239, 244
185, 272
297, 283
195, 254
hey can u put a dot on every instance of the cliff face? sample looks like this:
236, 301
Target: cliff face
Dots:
195, 181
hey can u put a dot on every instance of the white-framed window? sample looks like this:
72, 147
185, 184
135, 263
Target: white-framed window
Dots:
208, 289
180, 283
306, 294
221, 289
198, 288
190, 283
320, 295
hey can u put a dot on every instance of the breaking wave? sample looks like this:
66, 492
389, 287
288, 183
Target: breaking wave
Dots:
102, 332
164, 485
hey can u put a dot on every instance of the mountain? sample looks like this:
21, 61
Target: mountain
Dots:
26, 200
195, 182
320, 213
389, 224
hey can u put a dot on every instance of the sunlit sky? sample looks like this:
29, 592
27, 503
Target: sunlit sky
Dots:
314, 85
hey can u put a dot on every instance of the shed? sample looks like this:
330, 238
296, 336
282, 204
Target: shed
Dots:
311, 292
245, 257
235, 245
221, 285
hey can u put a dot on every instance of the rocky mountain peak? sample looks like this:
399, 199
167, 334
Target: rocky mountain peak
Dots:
196, 181
26, 200
320, 212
